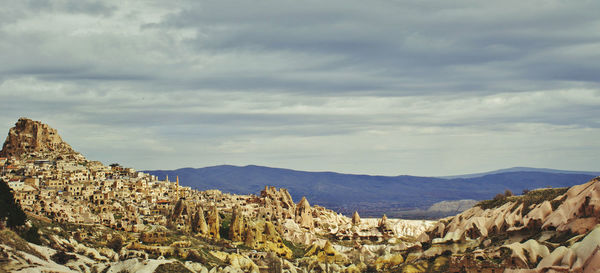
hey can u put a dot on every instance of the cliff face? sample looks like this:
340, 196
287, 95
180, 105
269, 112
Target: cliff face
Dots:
544, 229
30, 137
577, 211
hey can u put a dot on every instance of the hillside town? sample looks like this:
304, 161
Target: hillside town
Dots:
53, 182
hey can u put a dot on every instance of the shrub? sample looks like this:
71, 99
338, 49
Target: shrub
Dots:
62, 258
298, 251
172, 267
225, 225
115, 244
10, 210
498, 201
32, 235
194, 256
528, 199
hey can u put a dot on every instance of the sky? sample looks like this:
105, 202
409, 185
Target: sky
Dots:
379, 87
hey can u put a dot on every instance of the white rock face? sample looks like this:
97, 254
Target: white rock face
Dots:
578, 212
583, 256
582, 202
401, 227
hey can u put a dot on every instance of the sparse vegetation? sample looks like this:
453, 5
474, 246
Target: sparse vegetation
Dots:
32, 235
298, 251
175, 267
562, 238
225, 223
539, 196
195, 256
115, 244
498, 201
61, 257
556, 203
528, 199
203, 257
13, 240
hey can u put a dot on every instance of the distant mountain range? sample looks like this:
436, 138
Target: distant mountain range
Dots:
396, 196
521, 169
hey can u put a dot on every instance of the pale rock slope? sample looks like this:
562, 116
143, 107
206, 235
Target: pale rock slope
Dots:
542, 231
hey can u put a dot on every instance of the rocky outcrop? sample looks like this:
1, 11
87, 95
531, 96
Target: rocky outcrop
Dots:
214, 223
262, 235
355, 219
385, 227
181, 217
371, 229
236, 263
326, 254
581, 256
543, 229
188, 218
580, 210
199, 225
33, 137
294, 233
237, 226
19, 256
388, 261
276, 204
304, 214
577, 211
452, 206
258, 234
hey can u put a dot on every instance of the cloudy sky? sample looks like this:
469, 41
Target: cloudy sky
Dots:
378, 87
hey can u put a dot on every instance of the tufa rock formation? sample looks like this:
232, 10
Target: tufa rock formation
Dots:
384, 226
236, 229
263, 236
186, 218
31, 137
214, 223
304, 214
326, 254
199, 223
355, 219
276, 204
181, 217
257, 234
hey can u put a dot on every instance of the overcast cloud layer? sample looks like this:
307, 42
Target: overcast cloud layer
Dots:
377, 87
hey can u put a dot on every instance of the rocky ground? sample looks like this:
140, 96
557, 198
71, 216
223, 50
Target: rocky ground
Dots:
545, 230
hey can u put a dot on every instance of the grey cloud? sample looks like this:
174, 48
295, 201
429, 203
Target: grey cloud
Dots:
72, 6
92, 76
297, 80
403, 40
389, 48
